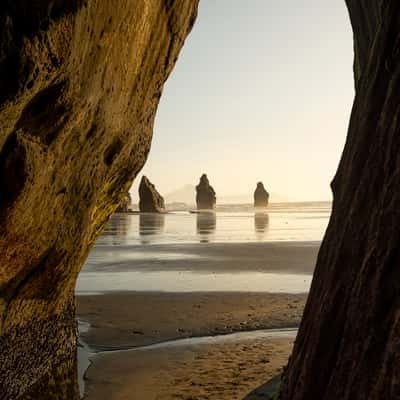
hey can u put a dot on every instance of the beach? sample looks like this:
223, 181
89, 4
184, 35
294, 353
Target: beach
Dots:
171, 310
222, 371
226, 369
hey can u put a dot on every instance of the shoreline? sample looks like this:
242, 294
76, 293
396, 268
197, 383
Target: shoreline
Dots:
193, 340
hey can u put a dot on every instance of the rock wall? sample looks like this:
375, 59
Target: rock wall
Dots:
347, 346
81, 81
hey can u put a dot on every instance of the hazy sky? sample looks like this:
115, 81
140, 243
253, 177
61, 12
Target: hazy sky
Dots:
262, 91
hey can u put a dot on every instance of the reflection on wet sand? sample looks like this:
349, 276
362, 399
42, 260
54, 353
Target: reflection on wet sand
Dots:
150, 224
117, 225
117, 228
261, 223
206, 224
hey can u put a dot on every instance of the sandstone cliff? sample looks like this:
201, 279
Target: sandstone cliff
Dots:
150, 199
261, 196
205, 194
81, 81
348, 340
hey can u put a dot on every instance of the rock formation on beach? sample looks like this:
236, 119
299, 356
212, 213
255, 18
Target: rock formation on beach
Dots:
149, 199
125, 205
81, 81
261, 196
205, 194
347, 345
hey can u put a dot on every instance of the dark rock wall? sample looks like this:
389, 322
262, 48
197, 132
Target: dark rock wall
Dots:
81, 81
348, 343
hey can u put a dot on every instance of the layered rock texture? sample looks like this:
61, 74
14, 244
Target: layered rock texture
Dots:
205, 194
348, 343
81, 81
125, 205
261, 196
149, 199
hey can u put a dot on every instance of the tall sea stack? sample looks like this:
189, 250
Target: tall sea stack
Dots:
149, 199
261, 196
205, 194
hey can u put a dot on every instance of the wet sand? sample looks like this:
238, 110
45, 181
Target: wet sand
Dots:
126, 319
221, 371
273, 257
245, 267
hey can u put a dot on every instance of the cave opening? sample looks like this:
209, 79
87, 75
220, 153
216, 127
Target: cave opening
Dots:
268, 95
64, 176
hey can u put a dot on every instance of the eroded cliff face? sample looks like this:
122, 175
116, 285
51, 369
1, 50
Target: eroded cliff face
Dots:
347, 346
81, 81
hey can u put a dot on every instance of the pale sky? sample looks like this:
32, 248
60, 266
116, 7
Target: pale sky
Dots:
262, 90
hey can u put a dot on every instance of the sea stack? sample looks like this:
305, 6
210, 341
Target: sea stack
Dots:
125, 204
205, 194
261, 196
149, 199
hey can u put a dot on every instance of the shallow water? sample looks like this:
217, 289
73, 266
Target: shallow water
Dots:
83, 355
216, 339
188, 281
234, 223
232, 249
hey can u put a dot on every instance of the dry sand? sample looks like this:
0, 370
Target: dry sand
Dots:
218, 372
208, 371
